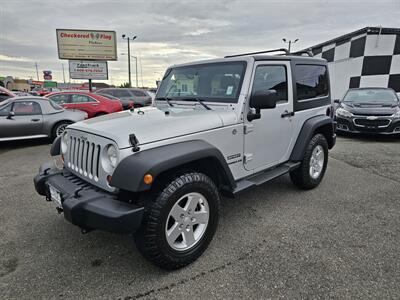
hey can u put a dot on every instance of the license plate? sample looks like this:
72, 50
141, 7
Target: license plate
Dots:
55, 196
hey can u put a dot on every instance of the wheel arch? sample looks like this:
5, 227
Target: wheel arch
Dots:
319, 124
164, 161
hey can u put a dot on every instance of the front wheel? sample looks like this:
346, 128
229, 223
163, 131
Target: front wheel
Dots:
313, 166
180, 222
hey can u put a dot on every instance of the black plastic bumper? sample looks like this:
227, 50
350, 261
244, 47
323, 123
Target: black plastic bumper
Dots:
86, 206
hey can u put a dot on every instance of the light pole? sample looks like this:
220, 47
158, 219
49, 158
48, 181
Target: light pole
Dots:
129, 62
129, 56
290, 42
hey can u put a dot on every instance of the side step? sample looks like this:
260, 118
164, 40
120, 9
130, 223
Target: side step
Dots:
265, 176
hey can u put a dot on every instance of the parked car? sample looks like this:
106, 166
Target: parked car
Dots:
126, 104
139, 97
5, 94
34, 117
21, 94
369, 110
159, 172
93, 104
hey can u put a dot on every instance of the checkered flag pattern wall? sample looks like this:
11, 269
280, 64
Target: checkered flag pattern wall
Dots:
369, 59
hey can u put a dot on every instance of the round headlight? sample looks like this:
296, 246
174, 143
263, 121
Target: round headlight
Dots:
112, 155
64, 142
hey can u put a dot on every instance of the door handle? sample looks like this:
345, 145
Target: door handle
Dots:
287, 114
35, 120
94, 104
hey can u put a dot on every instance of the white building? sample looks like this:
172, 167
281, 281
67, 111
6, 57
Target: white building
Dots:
369, 57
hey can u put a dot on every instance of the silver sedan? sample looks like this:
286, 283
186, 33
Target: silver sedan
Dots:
34, 117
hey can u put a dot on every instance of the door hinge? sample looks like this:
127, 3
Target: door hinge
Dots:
247, 157
248, 128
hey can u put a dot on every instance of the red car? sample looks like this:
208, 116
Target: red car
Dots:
5, 94
94, 105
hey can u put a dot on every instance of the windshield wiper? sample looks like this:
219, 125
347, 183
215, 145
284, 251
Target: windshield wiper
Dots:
166, 99
201, 101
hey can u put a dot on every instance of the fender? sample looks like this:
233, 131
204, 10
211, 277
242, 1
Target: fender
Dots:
323, 124
56, 147
130, 171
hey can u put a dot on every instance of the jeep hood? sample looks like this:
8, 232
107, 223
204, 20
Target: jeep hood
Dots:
151, 124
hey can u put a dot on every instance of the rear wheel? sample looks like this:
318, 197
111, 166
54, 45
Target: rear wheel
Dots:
313, 166
59, 128
180, 222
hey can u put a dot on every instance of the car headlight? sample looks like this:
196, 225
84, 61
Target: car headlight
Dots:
341, 112
109, 159
396, 115
64, 142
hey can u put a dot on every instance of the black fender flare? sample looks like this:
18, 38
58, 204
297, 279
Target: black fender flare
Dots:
56, 147
130, 171
322, 124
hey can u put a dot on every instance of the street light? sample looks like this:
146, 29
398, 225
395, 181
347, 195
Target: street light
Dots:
129, 58
290, 43
129, 62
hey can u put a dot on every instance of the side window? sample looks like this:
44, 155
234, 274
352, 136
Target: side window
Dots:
77, 98
60, 99
107, 92
5, 110
272, 78
27, 108
311, 81
138, 94
121, 93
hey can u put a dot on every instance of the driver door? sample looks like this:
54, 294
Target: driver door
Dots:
27, 119
268, 140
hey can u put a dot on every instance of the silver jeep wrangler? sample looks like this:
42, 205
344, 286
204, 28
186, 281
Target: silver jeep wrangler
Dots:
217, 127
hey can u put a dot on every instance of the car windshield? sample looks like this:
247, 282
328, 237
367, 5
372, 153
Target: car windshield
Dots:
371, 96
215, 82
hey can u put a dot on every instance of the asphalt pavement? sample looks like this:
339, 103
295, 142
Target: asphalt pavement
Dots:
340, 240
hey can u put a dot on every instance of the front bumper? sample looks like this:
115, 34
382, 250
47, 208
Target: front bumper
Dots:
85, 205
348, 125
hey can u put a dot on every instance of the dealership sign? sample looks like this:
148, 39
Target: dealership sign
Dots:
86, 69
47, 75
86, 44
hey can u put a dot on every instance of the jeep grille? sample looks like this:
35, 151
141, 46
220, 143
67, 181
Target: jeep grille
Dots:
84, 157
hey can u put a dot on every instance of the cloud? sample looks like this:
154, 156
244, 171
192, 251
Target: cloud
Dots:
173, 32
13, 58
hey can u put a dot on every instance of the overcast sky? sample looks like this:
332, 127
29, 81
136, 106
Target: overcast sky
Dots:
171, 32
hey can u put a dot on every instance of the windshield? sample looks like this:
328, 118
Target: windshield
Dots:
216, 82
5, 102
370, 96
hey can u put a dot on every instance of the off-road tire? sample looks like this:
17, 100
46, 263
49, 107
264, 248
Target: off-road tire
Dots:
301, 176
151, 238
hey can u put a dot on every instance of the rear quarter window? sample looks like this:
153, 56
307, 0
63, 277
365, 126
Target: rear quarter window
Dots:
311, 81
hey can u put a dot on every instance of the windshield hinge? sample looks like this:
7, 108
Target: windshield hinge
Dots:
248, 128
247, 157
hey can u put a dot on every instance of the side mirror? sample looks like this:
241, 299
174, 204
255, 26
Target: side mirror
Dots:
337, 101
11, 114
263, 99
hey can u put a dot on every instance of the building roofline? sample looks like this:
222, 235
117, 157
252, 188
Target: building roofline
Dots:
367, 30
